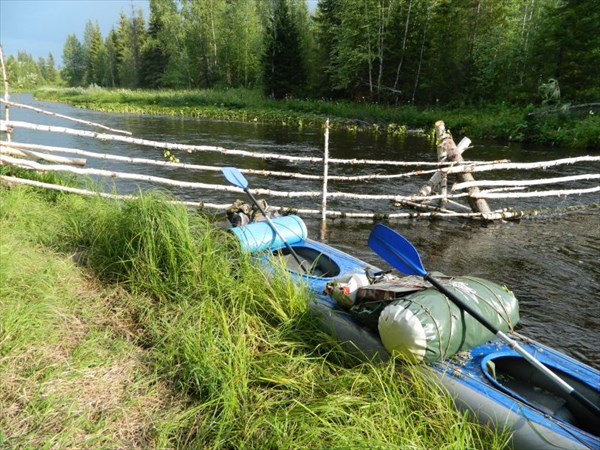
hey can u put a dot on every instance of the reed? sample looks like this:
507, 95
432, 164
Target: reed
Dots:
220, 353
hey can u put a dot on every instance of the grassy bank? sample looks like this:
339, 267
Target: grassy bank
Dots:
164, 336
498, 122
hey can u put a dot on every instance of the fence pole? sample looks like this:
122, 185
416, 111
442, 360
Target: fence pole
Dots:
325, 174
6, 96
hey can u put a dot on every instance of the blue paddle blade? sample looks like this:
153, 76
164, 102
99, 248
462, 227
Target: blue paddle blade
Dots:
235, 177
396, 250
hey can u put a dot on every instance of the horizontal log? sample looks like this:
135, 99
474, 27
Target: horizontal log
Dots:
62, 116
12, 181
555, 193
501, 165
41, 156
556, 180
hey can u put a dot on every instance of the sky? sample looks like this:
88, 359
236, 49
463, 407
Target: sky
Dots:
39, 27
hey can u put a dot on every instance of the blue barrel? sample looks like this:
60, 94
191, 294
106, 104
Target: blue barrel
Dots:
259, 236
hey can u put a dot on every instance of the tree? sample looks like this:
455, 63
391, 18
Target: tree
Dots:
111, 75
358, 61
241, 42
96, 57
172, 42
130, 38
73, 70
567, 48
154, 57
24, 72
327, 25
48, 70
284, 69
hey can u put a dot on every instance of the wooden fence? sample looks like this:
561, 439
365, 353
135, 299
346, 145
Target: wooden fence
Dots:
434, 199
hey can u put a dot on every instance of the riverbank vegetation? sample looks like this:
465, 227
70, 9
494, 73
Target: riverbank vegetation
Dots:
140, 325
564, 128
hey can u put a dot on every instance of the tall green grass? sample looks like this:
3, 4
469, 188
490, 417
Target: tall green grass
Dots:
245, 363
71, 375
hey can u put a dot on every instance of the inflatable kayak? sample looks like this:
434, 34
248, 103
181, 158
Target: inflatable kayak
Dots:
378, 314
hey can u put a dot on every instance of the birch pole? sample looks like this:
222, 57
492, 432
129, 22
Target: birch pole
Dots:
325, 173
447, 147
62, 116
6, 96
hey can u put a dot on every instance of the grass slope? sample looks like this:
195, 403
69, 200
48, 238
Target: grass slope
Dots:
168, 337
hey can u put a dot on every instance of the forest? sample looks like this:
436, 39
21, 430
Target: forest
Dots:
418, 52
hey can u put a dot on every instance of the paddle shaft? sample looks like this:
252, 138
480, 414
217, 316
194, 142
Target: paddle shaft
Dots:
564, 386
274, 228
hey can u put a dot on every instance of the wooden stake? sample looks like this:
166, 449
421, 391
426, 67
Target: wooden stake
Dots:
325, 173
5, 129
447, 146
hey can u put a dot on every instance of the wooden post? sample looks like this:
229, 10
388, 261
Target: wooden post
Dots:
447, 147
6, 97
325, 174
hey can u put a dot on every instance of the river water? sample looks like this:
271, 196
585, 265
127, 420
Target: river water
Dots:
551, 262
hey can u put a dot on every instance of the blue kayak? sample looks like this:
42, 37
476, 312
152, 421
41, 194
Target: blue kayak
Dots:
496, 384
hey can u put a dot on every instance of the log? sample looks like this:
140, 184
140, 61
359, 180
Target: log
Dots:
325, 173
555, 193
447, 146
501, 165
25, 164
154, 162
53, 114
512, 183
438, 181
13, 181
42, 156
5, 128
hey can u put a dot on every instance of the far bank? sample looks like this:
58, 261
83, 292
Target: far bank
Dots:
565, 126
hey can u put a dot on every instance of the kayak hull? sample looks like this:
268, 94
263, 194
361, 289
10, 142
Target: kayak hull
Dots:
491, 381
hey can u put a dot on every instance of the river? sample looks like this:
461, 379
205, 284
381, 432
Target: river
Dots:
551, 262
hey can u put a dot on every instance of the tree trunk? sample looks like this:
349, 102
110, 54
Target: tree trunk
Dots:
446, 146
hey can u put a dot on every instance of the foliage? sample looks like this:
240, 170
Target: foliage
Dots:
74, 59
284, 66
431, 52
563, 128
26, 73
567, 48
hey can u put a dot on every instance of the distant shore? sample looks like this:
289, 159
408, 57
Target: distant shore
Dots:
504, 123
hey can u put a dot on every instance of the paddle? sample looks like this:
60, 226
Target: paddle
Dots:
401, 254
235, 177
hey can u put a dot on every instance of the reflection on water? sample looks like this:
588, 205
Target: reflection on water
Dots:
551, 263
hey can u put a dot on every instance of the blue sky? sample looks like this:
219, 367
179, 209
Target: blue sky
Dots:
40, 27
